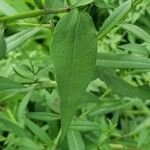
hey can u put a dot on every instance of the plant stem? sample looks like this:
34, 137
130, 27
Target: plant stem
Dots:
31, 14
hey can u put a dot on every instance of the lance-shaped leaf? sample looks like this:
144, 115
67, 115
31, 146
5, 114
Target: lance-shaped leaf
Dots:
73, 51
7, 9
139, 32
19, 38
75, 141
7, 84
2, 46
120, 86
118, 61
114, 18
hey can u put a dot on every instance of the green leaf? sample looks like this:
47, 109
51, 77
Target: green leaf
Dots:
102, 4
74, 61
136, 30
38, 132
6, 84
53, 4
118, 61
13, 127
84, 126
2, 46
44, 116
135, 48
112, 105
114, 18
24, 104
7, 9
82, 3
143, 125
120, 86
75, 141
27, 144
19, 38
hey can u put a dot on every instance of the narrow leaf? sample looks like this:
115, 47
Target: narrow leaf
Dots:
120, 86
6, 84
19, 38
24, 104
13, 127
136, 30
74, 61
118, 61
38, 131
44, 116
135, 48
114, 18
7, 9
75, 141
84, 126
2, 46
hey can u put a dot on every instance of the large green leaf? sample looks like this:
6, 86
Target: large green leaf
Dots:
2, 46
118, 61
73, 51
114, 18
120, 86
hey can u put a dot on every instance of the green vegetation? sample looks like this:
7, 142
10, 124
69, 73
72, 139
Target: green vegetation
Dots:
74, 74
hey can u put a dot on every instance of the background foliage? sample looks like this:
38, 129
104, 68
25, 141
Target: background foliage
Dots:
40, 112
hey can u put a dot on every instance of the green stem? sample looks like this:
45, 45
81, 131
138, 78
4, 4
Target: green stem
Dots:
31, 14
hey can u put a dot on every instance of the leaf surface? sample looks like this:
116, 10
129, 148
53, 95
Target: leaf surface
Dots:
120, 86
114, 18
118, 61
2, 46
73, 51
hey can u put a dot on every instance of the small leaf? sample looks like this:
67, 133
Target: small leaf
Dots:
114, 18
74, 61
82, 3
2, 46
136, 30
38, 131
120, 86
19, 38
75, 141
118, 61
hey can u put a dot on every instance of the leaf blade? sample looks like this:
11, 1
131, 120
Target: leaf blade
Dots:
74, 61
